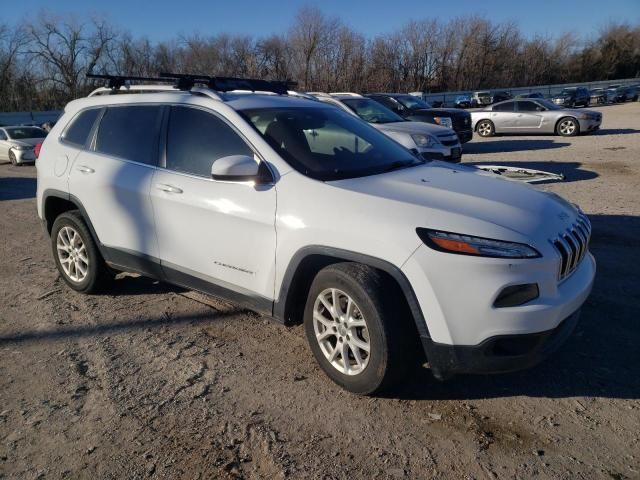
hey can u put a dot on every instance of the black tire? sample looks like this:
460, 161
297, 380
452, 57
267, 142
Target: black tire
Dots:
566, 133
391, 335
98, 274
487, 127
12, 158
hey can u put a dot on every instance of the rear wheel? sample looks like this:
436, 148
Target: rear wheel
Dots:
568, 127
486, 129
356, 330
76, 255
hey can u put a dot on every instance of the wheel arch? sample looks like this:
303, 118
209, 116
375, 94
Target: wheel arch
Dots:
56, 202
308, 261
555, 129
475, 127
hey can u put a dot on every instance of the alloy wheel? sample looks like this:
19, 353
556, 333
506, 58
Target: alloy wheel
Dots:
484, 129
567, 127
72, 254
341, 331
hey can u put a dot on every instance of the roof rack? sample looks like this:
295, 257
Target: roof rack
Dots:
188, 82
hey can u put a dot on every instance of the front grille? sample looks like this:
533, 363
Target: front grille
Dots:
449, 143
461, 122
572, 245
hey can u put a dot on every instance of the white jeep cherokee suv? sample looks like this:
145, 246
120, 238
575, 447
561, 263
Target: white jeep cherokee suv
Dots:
305, 213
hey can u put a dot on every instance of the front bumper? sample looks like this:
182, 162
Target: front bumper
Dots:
499, 354
589, 125
448, 154
464, 135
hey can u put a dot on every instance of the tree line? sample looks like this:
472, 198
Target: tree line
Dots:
43, 63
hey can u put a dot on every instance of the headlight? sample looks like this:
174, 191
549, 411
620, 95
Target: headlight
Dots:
23, 147
477, 246
444, 121
425, 141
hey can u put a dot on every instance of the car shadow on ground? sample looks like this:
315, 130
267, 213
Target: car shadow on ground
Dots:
506, 146
114, 328
571, 170
17, 188
616, 131
600, 359
133, 284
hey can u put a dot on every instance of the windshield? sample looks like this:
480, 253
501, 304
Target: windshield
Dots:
371, 111
20, 133
548, 105
411, 102
568, 91
328, 144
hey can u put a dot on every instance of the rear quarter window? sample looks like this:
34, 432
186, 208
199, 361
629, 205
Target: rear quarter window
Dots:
78, 130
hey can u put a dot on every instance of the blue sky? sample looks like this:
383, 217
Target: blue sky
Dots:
162, 19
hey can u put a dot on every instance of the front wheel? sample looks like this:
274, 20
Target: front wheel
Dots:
12, 158
76, 255
568, 127
486, 128
354, 333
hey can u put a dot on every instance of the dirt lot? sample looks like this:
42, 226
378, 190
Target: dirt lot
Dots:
147, 383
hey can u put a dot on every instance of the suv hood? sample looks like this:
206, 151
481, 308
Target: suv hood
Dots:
413, 127
464, 199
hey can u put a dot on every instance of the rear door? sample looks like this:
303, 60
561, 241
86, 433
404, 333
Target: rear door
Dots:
112, 179
216, 236
503, 116
529, 117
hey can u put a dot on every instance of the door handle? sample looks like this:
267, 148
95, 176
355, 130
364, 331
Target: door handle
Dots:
85, 169
168, 188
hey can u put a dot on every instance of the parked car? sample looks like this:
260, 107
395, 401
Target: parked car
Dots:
417, 110
431, 142
480, 99
534, 116
463, 101
305, 213
17, 143
572, 97
598, 96
500, 97
631, 93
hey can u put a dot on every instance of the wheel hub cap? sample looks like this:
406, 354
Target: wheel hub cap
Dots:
341, 331
72, 254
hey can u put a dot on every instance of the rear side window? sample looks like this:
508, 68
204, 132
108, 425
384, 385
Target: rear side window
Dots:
196, 139
78, 131
504, 107
130, 132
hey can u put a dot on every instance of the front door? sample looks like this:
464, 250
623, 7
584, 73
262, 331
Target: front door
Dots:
215, 236
529, 115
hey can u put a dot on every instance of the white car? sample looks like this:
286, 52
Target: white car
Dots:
304, 213
432, 142
17, 143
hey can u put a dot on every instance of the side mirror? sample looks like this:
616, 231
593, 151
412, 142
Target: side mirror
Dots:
240, 168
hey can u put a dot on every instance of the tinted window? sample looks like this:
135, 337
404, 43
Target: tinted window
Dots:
130, 132
196, 139
387, 102
328, 143
371, 111
2, 136
81, 126
528, 107
20, 133
504, 107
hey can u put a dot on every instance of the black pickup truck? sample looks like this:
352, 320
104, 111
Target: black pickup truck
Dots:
415, 109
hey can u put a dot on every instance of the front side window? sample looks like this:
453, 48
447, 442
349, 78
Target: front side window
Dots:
3, 136
371, 111
21, 133
196, 139
528, 107
130, 133
78, 131
328, 144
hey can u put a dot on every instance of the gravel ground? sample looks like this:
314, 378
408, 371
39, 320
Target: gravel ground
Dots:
149, 381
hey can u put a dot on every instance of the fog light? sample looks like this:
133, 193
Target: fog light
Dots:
517, 295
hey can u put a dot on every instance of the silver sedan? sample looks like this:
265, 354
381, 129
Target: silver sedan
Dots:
533, 116
17, 143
